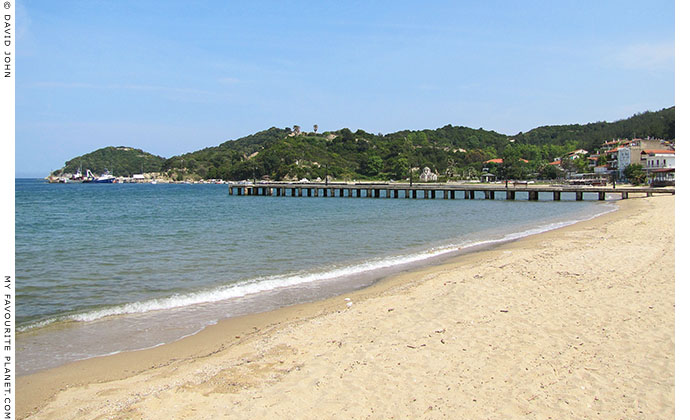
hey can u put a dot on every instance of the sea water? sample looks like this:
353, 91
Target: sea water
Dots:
104, 268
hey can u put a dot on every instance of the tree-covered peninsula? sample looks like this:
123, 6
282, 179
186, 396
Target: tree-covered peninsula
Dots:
450, 151
119, 161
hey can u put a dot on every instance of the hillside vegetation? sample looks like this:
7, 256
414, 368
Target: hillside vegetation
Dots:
660, 124
450, 151
120, 161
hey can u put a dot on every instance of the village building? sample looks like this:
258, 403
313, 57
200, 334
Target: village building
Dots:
601, 170
487, 177
658, 159
427, 175
575, 154
631, 153
660, 166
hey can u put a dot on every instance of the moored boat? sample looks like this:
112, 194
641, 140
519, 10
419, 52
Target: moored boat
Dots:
73, 178
105, 178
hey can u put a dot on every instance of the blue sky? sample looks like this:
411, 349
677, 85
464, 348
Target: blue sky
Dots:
173, 77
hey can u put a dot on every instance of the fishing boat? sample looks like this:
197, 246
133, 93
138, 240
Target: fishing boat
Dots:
89, 177
73, 178
105, 178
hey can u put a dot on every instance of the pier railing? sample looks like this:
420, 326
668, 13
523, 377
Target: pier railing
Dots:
433, 191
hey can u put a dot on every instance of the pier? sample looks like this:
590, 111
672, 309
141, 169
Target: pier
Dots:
451, 191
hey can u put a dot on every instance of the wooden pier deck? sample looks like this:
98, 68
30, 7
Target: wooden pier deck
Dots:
532, 192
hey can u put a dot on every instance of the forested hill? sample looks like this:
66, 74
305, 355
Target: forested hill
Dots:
451, 151
120, 161
281, 154
659, 124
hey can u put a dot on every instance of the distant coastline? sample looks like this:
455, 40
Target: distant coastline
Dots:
450, 152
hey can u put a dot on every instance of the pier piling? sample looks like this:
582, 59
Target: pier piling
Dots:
392, 190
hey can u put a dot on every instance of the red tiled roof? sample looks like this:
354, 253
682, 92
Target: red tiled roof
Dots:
659, 152
499, 160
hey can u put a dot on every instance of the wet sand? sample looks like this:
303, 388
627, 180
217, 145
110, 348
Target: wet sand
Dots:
572, 323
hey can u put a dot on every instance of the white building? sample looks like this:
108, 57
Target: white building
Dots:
576, 154
632, 152
658, 159
660, 165
427, 175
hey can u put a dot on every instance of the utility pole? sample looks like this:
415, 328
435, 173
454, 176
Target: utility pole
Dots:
410, 164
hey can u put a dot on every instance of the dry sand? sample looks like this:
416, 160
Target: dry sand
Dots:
573, 323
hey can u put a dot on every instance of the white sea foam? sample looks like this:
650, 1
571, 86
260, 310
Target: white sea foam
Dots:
257, 285
264, 284
36, 325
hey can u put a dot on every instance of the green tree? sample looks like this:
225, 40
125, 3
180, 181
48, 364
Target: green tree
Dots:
401, 168
550, 172
635, 173
347, 135
374, 165
568, 165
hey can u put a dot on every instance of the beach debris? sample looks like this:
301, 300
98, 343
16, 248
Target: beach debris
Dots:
410, 346
349, 304
503, 310
347, 299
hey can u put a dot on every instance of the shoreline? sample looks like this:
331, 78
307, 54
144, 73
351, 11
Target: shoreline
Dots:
333, 282
238, 337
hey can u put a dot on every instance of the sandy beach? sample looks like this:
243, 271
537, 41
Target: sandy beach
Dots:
573, 323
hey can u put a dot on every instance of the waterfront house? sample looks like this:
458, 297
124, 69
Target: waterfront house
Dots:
660, 165
657, 159
631, 153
